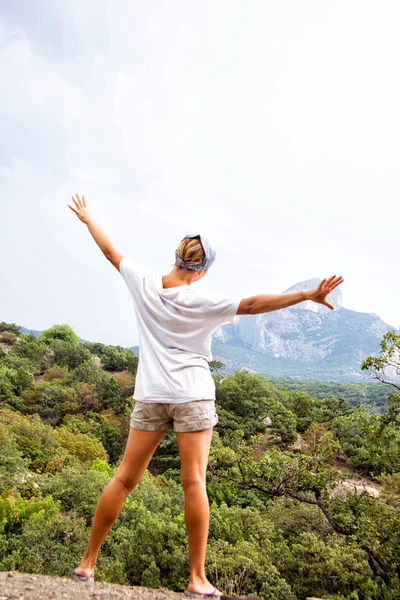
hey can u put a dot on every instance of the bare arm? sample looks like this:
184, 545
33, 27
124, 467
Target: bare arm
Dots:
255, 305
96, 232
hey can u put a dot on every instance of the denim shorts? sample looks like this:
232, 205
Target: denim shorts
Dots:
182, 417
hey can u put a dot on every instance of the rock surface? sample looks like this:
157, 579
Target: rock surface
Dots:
23, 586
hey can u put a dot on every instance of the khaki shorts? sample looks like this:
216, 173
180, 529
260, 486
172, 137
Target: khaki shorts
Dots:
181, 417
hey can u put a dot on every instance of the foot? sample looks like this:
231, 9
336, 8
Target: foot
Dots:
84, 572
205, 589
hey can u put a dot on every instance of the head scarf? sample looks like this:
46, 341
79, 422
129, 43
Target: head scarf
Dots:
209, 254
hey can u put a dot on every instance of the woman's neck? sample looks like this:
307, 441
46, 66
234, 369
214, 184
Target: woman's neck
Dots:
178, 277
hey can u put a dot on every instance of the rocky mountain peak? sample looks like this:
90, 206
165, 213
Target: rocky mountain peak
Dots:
335, 297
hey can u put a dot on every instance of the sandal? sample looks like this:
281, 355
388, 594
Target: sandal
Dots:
89, 579
195, 595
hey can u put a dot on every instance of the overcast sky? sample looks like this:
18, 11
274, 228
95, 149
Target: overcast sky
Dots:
272, 127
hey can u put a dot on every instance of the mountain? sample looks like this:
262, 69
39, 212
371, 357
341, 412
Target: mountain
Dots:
306, 341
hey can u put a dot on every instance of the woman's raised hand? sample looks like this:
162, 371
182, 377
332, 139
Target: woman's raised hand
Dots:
325, 287
81, 209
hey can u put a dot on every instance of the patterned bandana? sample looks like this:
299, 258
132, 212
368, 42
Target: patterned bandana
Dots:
209, 254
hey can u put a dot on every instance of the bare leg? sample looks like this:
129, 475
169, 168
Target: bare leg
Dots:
194, 448
138, 452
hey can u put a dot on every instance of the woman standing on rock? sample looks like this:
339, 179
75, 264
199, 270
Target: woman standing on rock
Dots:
174, 387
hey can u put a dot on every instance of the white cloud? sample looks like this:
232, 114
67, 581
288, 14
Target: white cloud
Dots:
271, 128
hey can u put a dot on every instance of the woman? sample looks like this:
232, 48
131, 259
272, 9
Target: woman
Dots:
174, 387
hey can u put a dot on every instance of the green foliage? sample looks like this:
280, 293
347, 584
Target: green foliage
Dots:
95, 348
56, 373
43, 541
15, 511
242, 569
101, 465
77, 490
80, 445
246, 401
7, 337
112, 397
386, 366
373, 395
166, 457
310, 410
69, 354
8, 389
88, 372
13, 467
217, 367
281, 526
368, 443
101, 426
51, 401
114, 359
62, 333
28, 353
9, 327
239, 555
35, 441
315, 566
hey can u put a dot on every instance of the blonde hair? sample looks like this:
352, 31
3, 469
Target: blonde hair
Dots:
191, 251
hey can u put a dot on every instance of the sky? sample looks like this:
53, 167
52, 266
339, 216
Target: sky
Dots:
271, 127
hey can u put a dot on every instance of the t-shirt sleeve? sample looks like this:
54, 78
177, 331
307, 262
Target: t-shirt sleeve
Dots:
132, 272
218, 309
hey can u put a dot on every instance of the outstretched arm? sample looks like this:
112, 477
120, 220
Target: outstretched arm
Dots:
105, 245
262, 304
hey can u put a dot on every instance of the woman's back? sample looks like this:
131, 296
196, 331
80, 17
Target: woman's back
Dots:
175, 327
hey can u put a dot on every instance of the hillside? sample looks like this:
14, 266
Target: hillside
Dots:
303, 491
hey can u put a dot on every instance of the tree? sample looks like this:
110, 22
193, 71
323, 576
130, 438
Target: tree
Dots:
69, 354
370, 443
12, 463
11, 327
35, 440
217, 367
51, 401
249, 402
28, 353
89, 372
370, 524
59, 332
8, 395
114, 359
112, 397
132, 362
386, 367
80, 445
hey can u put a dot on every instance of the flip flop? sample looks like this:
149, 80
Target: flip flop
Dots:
89, 579
195, 595
226, 597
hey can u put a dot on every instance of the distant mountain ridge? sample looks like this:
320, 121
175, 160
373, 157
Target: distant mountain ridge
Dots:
307, 340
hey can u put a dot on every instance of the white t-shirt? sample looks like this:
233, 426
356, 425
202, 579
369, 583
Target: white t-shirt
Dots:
175, 327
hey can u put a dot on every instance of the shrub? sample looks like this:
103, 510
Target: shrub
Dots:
80, 445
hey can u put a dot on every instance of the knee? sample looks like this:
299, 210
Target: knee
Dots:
189, 481
128, 483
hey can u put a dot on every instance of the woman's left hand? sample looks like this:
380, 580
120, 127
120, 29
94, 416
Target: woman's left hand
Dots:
81, 209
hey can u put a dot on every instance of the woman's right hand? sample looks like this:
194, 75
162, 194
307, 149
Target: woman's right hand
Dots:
324, 289
81, 209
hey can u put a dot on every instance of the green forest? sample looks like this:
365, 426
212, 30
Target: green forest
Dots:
287, 518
